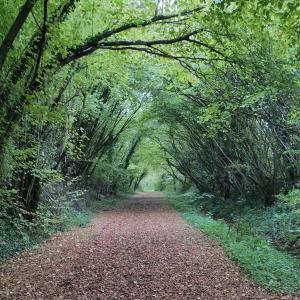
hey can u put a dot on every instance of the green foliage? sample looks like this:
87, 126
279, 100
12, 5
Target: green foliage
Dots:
108, 178
19, 233
207, 99
280, 224
269, 267
292, 199
231, 134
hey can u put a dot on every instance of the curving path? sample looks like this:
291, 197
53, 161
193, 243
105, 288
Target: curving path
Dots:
140, 250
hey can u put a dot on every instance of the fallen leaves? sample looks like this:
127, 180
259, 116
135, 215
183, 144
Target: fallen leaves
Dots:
143, 250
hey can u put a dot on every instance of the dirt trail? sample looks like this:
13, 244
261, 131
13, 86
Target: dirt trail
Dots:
141, 250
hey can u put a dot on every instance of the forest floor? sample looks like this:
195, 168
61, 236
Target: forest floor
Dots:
141, 249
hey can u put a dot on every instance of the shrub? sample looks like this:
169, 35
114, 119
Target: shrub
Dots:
18, 232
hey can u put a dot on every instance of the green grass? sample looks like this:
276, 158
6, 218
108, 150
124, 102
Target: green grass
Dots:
96, 206
72, 219
275, 270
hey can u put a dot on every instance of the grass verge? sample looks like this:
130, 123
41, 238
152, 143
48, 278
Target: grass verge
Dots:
96, 206
274, 270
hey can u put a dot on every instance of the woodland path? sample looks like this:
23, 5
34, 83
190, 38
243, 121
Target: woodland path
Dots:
141, 250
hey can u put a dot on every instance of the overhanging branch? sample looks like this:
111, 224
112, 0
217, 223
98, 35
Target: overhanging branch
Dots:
93, 43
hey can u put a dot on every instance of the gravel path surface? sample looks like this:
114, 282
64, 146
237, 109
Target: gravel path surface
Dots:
140, 250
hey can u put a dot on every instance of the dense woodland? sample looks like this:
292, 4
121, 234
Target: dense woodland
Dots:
101, 97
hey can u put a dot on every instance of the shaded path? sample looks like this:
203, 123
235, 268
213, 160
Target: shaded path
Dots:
142, 250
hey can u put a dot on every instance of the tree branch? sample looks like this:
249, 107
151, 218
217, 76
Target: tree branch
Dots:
14, 30
115, 44
90, 45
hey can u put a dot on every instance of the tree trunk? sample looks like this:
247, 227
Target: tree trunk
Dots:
30, 191
14, 30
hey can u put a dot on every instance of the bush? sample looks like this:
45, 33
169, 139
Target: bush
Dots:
54, 214
109, 179
19, 232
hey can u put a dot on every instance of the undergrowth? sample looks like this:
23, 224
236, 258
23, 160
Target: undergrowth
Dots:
275, 270
20, 234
